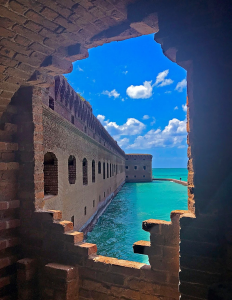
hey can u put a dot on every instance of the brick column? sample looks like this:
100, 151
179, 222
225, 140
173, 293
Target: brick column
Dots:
205, 241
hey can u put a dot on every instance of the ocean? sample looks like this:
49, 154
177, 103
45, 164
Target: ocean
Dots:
121, 224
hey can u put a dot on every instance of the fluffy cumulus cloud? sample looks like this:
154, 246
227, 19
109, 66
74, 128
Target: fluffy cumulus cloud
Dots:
181, 85
131, 127
113, 93
140, 91
146, 117
173, 135
184, 107
161, 79
176, 107
123, 143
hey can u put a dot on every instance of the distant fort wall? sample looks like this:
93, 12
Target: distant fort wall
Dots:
138, 167
90, 166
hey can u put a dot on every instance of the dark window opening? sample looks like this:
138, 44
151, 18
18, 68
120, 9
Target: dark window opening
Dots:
93, 203
107, 170
93, 171
85, 129
144, 167
104, 194
85, 171
126, 176
134, 158
127, 167
110, 170
85, 210
72, 119
104, 171
135, 176
99, 167
50, 174
72, 169
51, 103
72, 220
135, 167
144, 176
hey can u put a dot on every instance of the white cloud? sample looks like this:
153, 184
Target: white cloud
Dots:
176, 107
168, 92
80, 69
153, 122
140, 91
181, 85
184, 107
161, 79
146, 117
173, 135
113, 93
131, 127
125, 72
123, 142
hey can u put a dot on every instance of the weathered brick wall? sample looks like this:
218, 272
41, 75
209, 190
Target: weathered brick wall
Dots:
63, 139
138, 167
9, 203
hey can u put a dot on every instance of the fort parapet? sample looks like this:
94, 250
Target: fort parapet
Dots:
138, 167
70, 105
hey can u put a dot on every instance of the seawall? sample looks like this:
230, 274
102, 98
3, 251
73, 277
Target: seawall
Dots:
174, 180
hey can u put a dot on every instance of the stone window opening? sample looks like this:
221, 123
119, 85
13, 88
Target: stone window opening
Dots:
135, 167
85, 211
135, 176
50, 174
93, 171
72, 169
107, 170
93, 203
104, 194
126, 176
85, 171
104, 171
144, 167
72, 119
110, 170
51, 103
72, 220
127, 167
144, 176
99, 167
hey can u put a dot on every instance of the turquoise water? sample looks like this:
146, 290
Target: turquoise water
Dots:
121, 224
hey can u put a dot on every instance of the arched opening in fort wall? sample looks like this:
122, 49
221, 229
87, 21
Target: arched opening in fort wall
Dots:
37, 46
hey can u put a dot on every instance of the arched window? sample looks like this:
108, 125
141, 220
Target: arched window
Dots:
85, 171
93, 171
107, 170
104, 171
50, 174
51, 103
99, 167
110, 170
72, 169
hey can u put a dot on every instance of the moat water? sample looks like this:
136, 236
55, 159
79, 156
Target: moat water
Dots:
121, 224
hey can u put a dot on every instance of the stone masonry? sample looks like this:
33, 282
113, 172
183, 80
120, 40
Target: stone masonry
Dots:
191, 255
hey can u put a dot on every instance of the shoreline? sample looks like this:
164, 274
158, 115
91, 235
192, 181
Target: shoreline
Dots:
173, 180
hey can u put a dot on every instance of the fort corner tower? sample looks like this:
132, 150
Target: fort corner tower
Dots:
138, 167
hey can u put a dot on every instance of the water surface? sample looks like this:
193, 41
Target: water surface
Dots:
121, 224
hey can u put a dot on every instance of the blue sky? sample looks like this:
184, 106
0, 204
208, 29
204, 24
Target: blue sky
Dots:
139, 95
